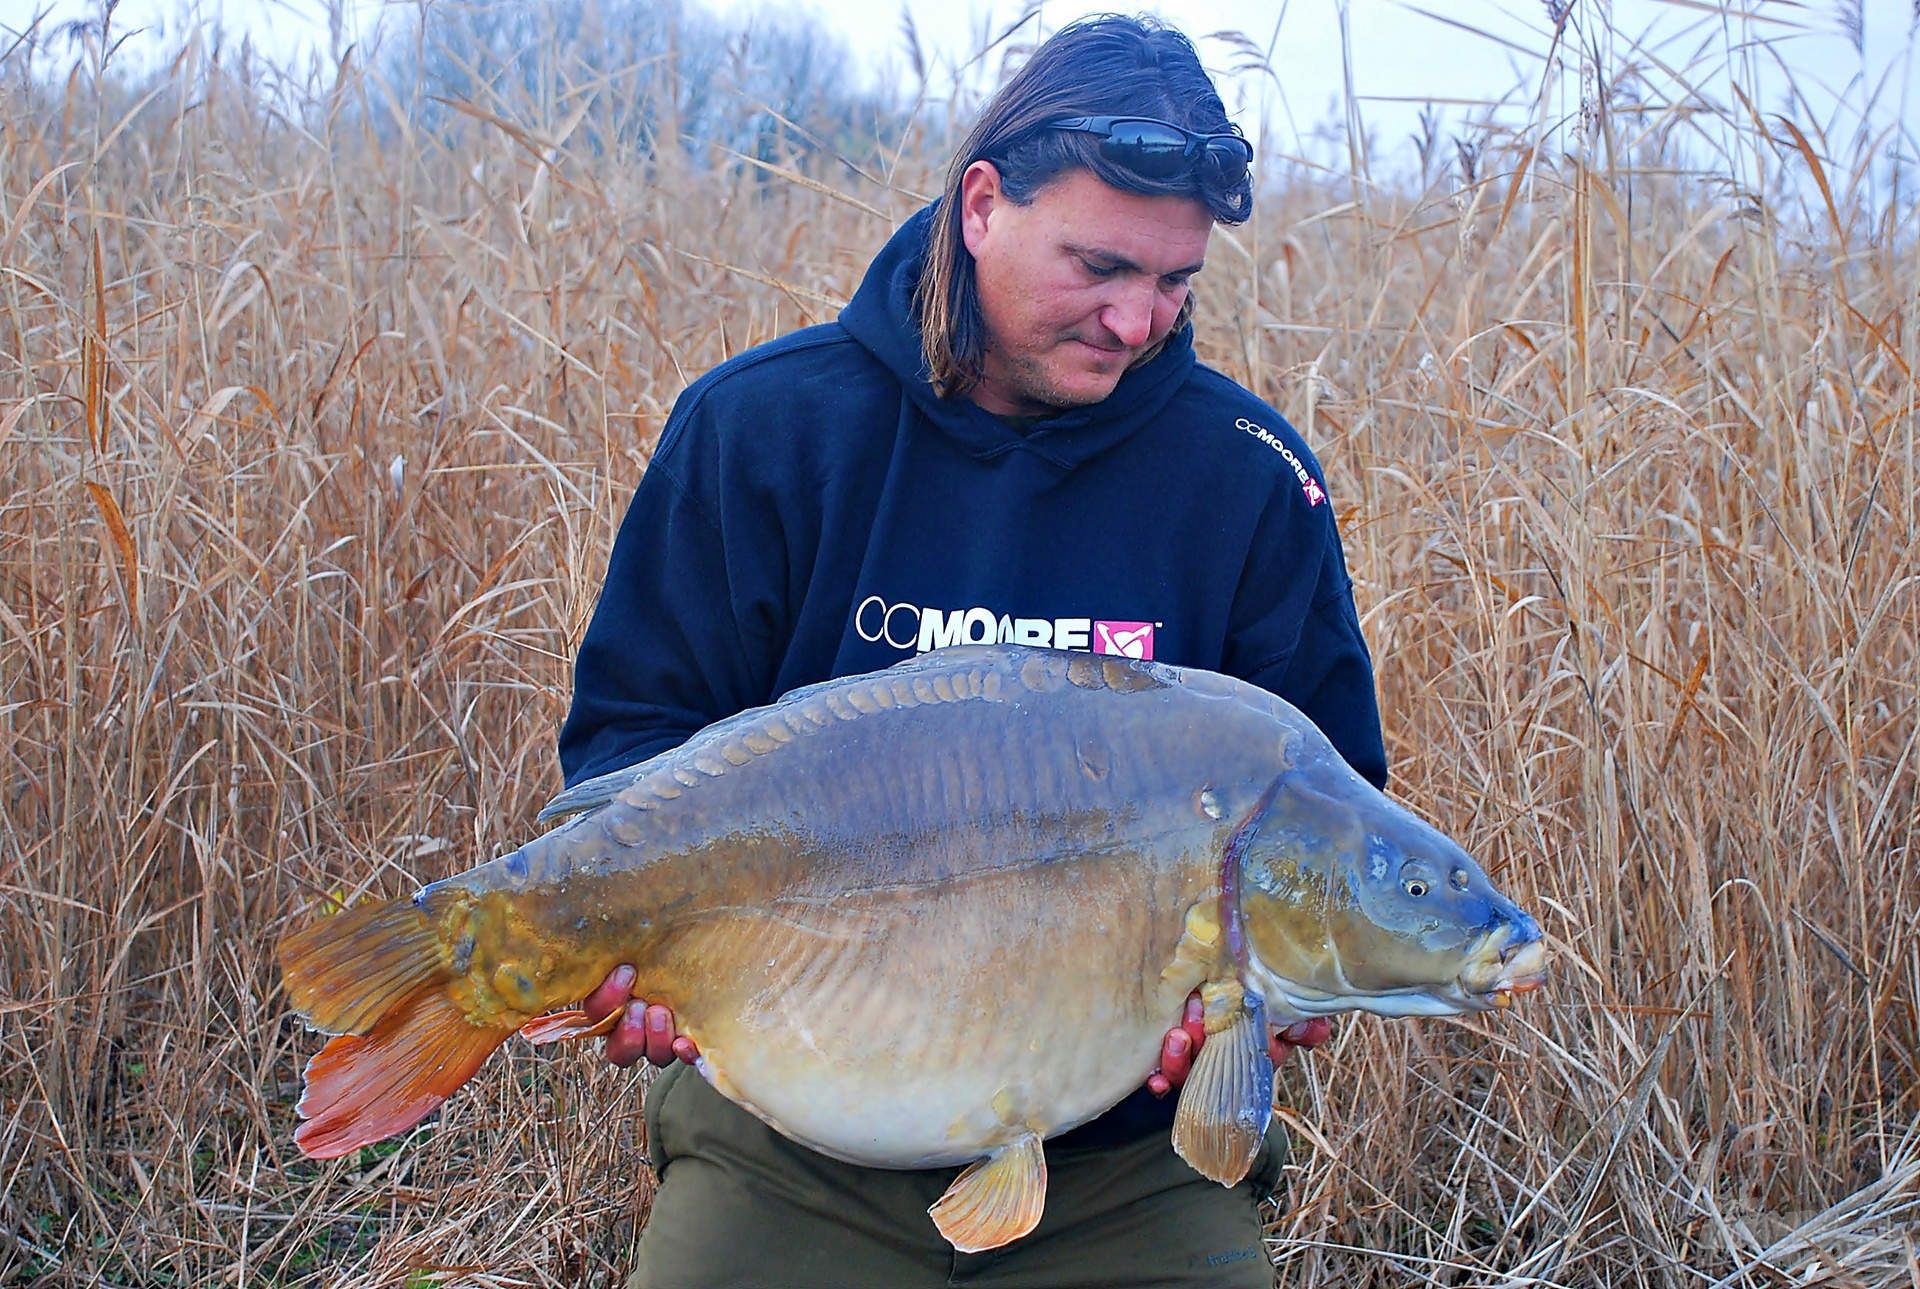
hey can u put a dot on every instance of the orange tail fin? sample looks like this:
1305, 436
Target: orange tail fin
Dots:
360, 1090
345, 973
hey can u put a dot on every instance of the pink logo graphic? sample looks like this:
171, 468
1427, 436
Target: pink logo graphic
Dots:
1315, 494
1124, 639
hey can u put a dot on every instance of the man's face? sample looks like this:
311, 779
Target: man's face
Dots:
1074, 285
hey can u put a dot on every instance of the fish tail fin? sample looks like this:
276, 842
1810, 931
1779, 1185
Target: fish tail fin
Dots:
344, 973
364, 1088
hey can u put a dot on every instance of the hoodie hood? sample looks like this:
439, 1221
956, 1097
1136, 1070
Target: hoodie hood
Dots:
881, 318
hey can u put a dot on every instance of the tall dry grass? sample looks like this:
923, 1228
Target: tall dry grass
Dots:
316, 424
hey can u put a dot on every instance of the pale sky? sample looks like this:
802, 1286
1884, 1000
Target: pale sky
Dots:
1401, 52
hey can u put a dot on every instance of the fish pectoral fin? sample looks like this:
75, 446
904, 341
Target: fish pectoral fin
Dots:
1197, 954
996, 1200
557, 1027
1228, 1097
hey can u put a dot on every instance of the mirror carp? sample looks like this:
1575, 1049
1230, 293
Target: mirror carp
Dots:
1004, 867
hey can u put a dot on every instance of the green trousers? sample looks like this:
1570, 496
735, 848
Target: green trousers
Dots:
740, 1205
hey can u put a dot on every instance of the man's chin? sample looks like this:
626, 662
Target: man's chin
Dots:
1082, 390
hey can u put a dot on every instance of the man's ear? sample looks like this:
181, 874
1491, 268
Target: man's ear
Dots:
980, 196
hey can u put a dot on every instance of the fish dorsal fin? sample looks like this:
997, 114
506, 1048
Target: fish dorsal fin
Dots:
589, 794
1228, 1097
759, 731
996, 1200
994, 673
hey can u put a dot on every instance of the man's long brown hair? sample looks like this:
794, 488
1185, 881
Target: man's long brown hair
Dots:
1106, 65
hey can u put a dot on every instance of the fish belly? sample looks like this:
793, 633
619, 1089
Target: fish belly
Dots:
924, 1026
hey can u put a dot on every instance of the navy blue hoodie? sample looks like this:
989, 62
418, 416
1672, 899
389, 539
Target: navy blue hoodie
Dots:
814, 510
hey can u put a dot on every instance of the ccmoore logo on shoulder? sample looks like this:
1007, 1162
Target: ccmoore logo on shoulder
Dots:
1308, 484
919, 628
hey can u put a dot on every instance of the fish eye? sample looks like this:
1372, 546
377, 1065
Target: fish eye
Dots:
1415, 886
1458, 879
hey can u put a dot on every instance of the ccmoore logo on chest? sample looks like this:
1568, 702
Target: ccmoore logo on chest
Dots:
1308, 484
920, 628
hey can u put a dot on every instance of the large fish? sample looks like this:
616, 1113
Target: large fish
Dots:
1005, 868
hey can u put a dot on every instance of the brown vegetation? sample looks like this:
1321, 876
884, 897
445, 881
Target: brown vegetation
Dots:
315, 423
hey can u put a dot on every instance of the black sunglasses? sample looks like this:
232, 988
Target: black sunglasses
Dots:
1162, 150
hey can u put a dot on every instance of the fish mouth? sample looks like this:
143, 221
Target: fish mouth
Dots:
1496, 972
1503, 970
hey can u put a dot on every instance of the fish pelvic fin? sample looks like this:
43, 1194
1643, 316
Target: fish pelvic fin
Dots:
995, 1200
556, 1027
345, 972
1228, 1098
364, 1088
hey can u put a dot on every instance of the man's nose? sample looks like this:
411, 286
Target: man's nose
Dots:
1130, 315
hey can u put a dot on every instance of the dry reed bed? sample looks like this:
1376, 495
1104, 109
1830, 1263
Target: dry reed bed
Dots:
1630, 504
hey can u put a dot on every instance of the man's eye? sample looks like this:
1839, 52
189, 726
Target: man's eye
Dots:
1098, 270
1176, 281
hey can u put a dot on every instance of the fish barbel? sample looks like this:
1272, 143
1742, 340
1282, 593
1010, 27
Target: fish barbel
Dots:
1004, 867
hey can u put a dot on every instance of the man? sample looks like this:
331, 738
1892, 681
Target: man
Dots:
1005, 436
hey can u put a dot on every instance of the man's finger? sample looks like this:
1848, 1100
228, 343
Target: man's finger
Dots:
1179, 1047
659, 1023
628, 1041
611, 995
1194, 1020
684, 1049
1282, 1044
1176, 1057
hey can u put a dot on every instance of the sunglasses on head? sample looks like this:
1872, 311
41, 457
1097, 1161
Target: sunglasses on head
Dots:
1162, 150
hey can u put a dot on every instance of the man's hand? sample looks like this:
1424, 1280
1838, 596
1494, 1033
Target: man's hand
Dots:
1183, 1041
644, 1030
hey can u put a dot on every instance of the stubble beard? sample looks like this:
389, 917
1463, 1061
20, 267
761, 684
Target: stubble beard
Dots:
1032, 381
